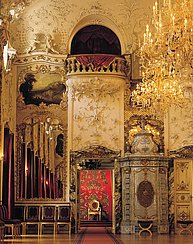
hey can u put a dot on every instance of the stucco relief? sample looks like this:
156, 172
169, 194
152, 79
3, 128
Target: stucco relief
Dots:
181, 127
133, 17
93, 88
60, 18
8, 100
52, 15
96, 118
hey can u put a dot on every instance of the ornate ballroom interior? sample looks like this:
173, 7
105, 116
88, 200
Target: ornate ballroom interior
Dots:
96, 115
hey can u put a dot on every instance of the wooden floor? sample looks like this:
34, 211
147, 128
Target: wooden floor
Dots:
102, 236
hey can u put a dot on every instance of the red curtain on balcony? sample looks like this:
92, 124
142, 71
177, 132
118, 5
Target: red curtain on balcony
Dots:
96, 184
95, 61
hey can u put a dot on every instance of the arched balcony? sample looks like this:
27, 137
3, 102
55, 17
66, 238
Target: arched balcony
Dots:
97, 64
95, 50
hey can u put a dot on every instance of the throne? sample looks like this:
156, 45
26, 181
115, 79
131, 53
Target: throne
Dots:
94, 209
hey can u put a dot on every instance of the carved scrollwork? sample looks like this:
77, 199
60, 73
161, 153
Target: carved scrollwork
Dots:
93, 88
182, 166
183, 186
184, 152
95, 151
3, 36
40, 57
133, 126
117, 195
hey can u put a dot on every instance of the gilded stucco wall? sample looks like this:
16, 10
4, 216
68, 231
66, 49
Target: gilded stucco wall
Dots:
127, 18
96, 112
179, 127
62, 19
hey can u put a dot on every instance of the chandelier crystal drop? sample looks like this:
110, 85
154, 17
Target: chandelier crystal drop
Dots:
166, 57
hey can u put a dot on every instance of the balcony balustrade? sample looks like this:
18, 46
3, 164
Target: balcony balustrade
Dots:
99, 64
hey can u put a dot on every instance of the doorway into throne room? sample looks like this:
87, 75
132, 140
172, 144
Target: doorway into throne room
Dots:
101, 163
95, 185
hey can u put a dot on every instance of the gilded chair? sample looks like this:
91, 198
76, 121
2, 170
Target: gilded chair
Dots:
94, 209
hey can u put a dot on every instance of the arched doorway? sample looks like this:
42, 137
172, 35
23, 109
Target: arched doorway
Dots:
95, 186
95, 39
109, 169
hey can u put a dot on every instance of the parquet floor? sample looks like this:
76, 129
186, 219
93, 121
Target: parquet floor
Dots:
101, 236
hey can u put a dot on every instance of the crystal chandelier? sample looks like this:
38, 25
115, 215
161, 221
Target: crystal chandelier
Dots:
166, 58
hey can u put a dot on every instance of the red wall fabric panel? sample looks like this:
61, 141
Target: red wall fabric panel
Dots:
96, 184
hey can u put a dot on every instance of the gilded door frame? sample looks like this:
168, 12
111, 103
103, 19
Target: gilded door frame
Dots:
112, 192
101, 153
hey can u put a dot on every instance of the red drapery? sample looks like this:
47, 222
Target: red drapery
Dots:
10, 179
96, 184
22, 172
40, 179
95, 61
8, 173
44, 181
32, 173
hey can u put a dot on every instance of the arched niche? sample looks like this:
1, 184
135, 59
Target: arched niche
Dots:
95, 39
101, 20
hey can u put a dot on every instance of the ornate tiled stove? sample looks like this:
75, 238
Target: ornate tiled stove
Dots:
144, 185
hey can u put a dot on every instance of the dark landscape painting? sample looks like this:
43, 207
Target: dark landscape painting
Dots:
47, 89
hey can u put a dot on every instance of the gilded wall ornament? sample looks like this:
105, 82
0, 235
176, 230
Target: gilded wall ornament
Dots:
45, 43
93, 88
143, 143
182, 166
184, 152
183, 186
127, 18
180, 126
132, 127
